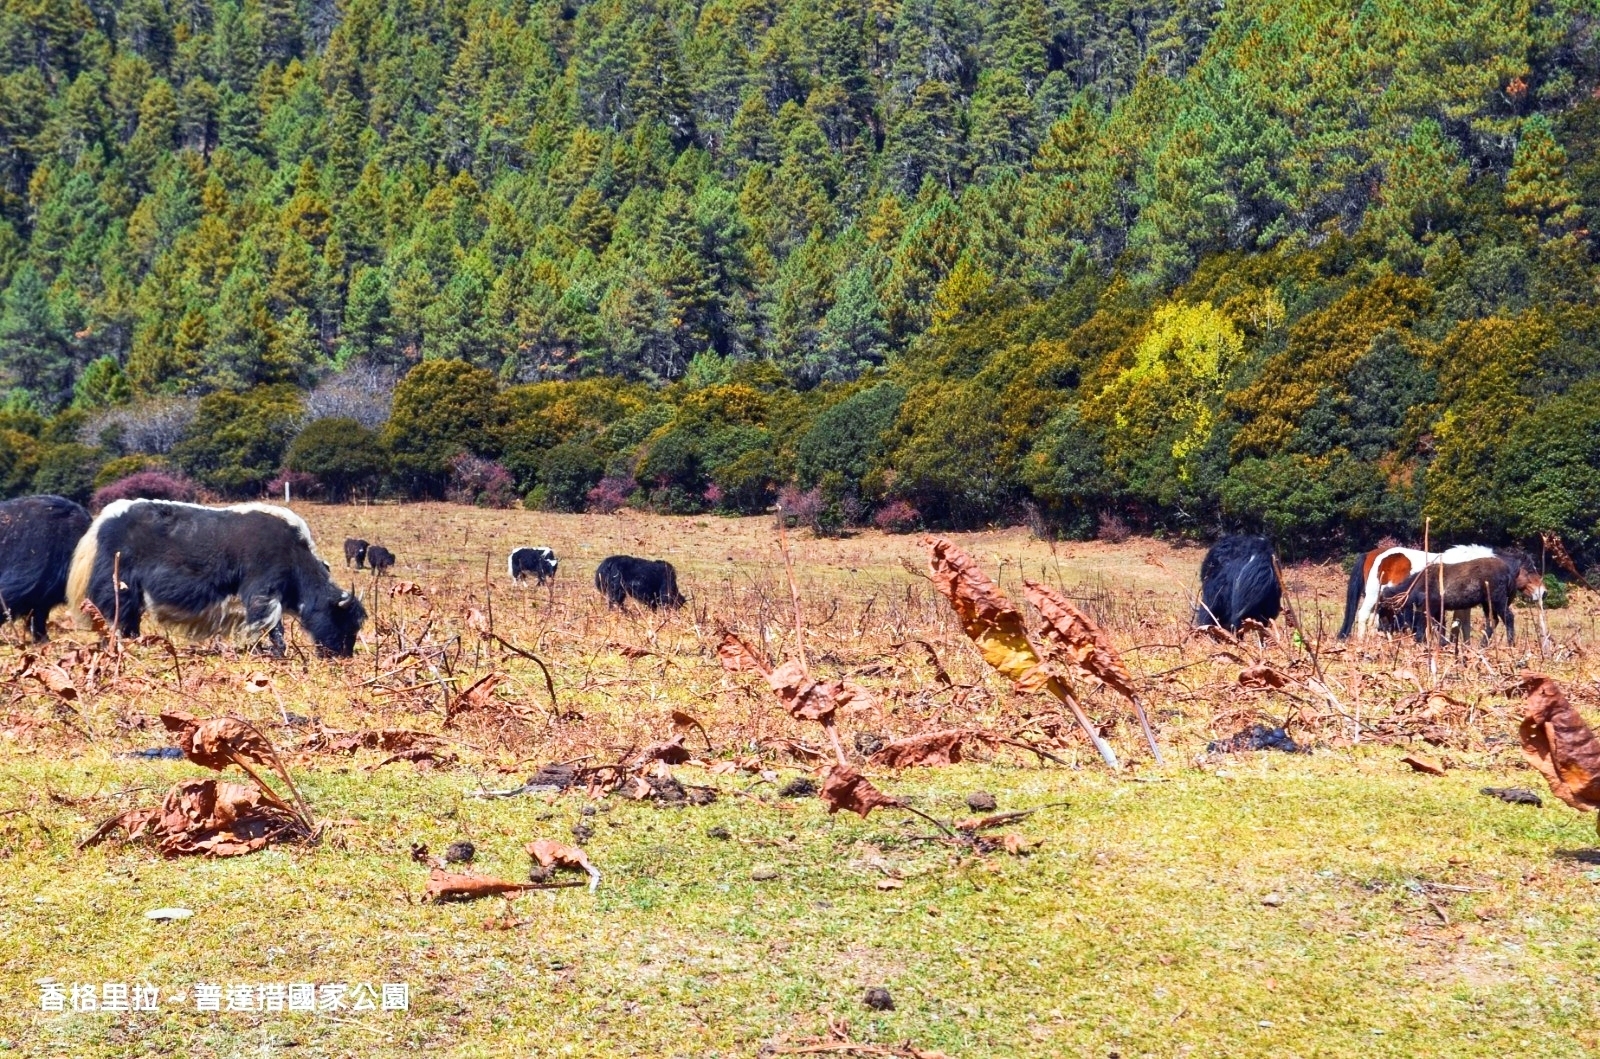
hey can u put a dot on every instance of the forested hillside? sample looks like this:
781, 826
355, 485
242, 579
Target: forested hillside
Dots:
1323, 269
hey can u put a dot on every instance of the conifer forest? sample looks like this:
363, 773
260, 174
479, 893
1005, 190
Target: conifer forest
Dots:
1320, 270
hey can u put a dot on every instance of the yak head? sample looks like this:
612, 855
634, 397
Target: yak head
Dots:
334, 618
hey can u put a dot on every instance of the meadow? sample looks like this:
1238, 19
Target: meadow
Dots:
1335, 902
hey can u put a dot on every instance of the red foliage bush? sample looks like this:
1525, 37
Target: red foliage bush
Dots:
610, 495
147, 485
480, 482
897, 516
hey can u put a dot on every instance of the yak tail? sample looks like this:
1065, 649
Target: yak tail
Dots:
78, 573
1352, 595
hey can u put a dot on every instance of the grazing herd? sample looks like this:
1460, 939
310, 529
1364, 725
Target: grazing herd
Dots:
237, 570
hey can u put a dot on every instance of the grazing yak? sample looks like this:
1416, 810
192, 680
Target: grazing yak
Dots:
540, 562
1238, 581
37, 535
355, 552
652, 582
206, 571
379, 559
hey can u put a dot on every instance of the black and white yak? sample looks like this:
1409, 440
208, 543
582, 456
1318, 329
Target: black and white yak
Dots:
1238, 582
37, 535
212, 571
652, 582
539, 562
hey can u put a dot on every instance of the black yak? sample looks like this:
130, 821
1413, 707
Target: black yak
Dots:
652, 582
1238, 581
37, 535
379, 559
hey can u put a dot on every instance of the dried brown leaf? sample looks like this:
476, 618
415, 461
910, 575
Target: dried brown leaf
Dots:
479, 696
1264, 676
1558, 743
548, 853
207, 818
217, 741
845, 788
423, 758
464, 886
933, 748
1016, 845
987, 616
1072, 638
669, 751
257, 681
56, 679
737, 656
405, 588
1420, 763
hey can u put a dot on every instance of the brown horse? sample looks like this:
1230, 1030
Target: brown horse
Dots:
1458, 587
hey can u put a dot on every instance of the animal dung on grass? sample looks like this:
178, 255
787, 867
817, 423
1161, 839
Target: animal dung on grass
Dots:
1514, 796
1558, 743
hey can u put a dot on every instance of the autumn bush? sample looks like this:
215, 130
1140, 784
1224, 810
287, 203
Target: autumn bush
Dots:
147, 485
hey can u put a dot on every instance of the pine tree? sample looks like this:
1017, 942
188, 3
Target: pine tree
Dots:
1536, 187
853, 336
33, 355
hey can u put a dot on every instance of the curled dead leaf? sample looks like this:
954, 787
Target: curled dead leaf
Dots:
548, 853
466, 886
933, 748
1263, 676
479, 696
1017, 846
405, 588
1558, 743
56, 679
669, 751
218, 742
737, 656
1074, 639
257, 682
845, 788
1420, 763
206, 817
987, 616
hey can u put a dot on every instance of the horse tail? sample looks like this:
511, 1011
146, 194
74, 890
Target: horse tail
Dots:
1352, 595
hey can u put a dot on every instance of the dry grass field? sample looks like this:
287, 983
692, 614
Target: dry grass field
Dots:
1264, 903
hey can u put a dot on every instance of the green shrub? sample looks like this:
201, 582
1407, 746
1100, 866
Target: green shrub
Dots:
237, 442
442, 408
566, 474
344, 456
68, 470
114, 470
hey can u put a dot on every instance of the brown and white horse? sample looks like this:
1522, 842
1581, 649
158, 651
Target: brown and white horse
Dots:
1383, 567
